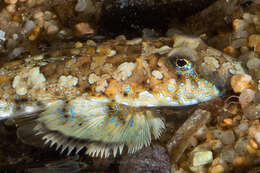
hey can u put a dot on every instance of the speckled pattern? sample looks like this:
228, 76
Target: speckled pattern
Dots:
109, 95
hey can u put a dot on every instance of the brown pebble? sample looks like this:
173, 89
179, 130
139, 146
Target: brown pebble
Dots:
52, 29
228, 121
34, 33
10, 1
230, 51
246, 97
240, 82
254, 40
83, 28
38, 15
11, 8
253, 144
78, 44
239, 161
251, 150
217, 169
239, 24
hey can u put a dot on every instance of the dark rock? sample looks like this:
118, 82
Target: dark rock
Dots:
149, 159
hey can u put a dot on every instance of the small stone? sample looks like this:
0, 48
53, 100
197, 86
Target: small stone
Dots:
254, 40
81, 6
35, 33
52, 29
252, 112
251, 150
29, 25
38, 15
228, 154
11, 8
240, 82
78, 44
239, 161
241, 146
210, 64
17, 52
228, 121
202, 158
11, 1
83, 28
215, 144
91, 43
230, 51
239, 24
242, 128
217, 169
253, 63
227, 137
253, 142
246, 97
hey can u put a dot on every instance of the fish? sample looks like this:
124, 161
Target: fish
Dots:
105, 96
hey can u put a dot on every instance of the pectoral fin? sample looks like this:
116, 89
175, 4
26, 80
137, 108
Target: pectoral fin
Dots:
102, 126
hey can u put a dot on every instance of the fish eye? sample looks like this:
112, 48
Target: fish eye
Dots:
183, 64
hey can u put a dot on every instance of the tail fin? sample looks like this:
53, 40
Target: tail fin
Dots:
106, 126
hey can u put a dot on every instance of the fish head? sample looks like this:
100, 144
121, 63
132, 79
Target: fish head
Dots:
183, 85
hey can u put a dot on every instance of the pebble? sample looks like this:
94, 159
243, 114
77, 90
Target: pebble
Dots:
78, 44
241, 146
239, 161
11, 8
253, 63
253, 142
17, 52
11, 1
252, 112
239, 24
228, 121
241, 129
38, 15
29, 25
254, 41
246, 97
52, 29
228, 154
240, 82
81, 6
202, 158
227, 137
217, 169
83, 28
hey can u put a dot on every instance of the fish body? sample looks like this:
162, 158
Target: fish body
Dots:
105, 96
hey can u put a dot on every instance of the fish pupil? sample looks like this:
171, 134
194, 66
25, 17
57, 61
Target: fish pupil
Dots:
181, 62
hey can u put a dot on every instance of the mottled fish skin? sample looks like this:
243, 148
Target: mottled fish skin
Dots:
105, 96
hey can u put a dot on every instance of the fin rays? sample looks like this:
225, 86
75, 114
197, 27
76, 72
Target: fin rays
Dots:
98, 126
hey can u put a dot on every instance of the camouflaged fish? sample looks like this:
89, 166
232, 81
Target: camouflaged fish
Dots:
106, 96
